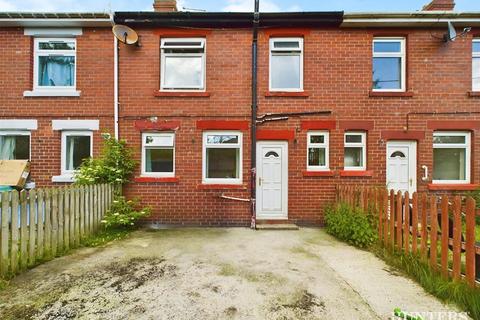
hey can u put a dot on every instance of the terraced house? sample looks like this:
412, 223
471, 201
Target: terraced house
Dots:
235, 116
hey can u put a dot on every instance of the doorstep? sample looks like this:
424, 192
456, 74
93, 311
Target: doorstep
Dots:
275, 225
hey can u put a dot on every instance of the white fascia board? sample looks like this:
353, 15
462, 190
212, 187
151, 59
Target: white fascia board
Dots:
53, 31
406, 22
19, 124
75, 125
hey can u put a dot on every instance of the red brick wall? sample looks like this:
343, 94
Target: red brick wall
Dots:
337, 77
94, 80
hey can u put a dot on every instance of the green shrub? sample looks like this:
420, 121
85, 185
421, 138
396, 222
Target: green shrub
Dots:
351, 225
115, 164
124, 213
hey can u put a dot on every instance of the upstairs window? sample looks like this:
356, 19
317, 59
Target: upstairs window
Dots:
476, 65
451, 157
183, 64
14, 145
286, 64
355, 151
317, 148
76, 147
158, 157
222, 157
55, 64
389, 65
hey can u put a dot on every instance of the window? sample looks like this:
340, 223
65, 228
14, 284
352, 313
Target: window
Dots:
158, 154
451, 157
76, 146
317, 150
54, 66
476, 65
222, 157
14, 145
183, 64
286, 64
389, 64
355, 151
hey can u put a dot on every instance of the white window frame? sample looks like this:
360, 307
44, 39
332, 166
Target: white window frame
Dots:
362, 145
401, 54
38, 53
324, 145
144, 173
202, 87
467, 145
20, 133
238, 145
285, 51
475, 54
68, 133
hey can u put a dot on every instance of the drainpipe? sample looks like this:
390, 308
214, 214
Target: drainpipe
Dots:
253, 133
115, 86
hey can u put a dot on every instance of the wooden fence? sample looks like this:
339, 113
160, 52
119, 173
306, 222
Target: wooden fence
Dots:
43, 223
441, 230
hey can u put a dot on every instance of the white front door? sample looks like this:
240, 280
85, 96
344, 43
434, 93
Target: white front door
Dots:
402, 166
272, 180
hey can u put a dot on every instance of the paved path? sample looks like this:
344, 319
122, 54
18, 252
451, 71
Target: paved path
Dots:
216, 274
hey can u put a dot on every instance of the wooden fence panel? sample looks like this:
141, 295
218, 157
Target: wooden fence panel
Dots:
48, 223
424, 230
54, 240
414, 222
77, 216
40, 224
398, 213
444, 238
71, 233
66, 220
457, 236
385, 217
433, 233
470, 241
15, 232
392, 219
23, 230
406, 223
4, 245
61, 212
32, 227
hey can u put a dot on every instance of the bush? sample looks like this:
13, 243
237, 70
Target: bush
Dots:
115, 165
124, 213
351, 225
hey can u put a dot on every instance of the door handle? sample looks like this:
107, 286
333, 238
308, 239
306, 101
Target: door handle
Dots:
259, 181
411, 182
425, 173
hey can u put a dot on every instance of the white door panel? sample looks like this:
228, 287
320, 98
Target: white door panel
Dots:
402, 166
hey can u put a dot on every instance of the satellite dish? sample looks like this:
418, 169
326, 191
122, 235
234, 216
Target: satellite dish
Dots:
125, 34
451, 35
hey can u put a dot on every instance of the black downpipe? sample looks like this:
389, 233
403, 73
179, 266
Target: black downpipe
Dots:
253, 133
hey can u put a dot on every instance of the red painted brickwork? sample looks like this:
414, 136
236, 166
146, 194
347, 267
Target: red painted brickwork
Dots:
94, 80
337, 78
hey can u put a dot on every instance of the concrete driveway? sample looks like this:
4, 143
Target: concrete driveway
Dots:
216, 274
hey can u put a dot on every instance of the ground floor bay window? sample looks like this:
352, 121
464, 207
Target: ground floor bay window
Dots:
222, 157
14, 145
451, 157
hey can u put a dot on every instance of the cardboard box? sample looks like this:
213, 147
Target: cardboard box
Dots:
14, 173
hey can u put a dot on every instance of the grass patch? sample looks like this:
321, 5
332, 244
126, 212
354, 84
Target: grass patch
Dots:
107, 235
459, 293
3, 284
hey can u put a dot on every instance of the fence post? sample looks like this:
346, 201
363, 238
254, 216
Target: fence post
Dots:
54, 195
14, 227
66, 220
77, 217
424, 231
444, 239
399, 219
23, 230
457, 236
61, 193
40, 217
385, 216
406, 223
391, 222
433, 232
5, 234
470, 242
414, 222
48, 223
72, 218
32, 228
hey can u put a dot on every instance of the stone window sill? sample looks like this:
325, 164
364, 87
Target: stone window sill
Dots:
52, 93
63, 178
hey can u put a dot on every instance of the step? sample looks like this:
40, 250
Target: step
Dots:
277, 226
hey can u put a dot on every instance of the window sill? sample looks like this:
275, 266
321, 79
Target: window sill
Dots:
326, 173
355, 173
200, 94
453, 187
63, 179
52, 93
156, 179
390, 94
474, 94
293, 94
205, 186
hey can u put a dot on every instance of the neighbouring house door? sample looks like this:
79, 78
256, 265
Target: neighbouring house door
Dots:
402, 166
272, 180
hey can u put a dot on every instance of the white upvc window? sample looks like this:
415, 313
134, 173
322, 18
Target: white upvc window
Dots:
183, 64
158, 154
14, 145
476, 65
317, 151
286, 64
222, 157
389, 64
54, 64
355, 151
451, 157
76, 147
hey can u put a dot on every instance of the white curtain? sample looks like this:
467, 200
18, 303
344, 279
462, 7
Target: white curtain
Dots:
7, 147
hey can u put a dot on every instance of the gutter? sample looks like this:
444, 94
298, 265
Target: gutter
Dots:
54, 23
413, 19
